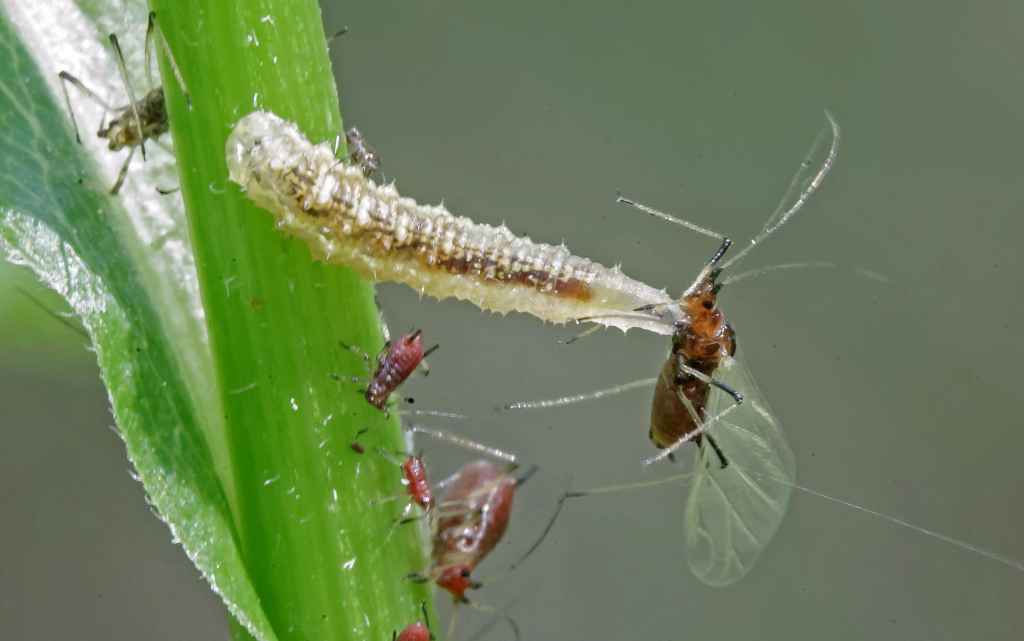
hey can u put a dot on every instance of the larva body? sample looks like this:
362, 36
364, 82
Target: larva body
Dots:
348, 219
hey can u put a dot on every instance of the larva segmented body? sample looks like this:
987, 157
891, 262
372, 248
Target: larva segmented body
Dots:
348, 219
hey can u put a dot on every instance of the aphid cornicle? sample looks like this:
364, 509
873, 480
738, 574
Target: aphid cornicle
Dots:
348, 219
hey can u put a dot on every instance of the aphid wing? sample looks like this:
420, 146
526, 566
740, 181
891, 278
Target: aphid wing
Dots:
732, 513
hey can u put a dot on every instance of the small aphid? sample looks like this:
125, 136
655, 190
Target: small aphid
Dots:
395, 363
413, 632
418, 631
347, 219
414, 476
414, 470
139, 121
361, 154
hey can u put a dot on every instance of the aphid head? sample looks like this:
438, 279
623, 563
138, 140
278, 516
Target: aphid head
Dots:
456, 580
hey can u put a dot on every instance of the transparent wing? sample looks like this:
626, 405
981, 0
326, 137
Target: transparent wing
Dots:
732, 513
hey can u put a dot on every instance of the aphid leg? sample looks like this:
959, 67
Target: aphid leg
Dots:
702, 429
583, 334
724, 462
356, 446
576, 398
701, 376
65, 78
122, 173
424, 366
168, 191
132, 105
155, 38
336, 35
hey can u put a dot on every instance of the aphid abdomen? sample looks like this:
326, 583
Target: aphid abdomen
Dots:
476, 510
670, 419
347, 219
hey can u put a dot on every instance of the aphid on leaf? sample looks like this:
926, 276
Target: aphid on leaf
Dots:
414, 470
347, 219
139, 121
395, 363
418, 631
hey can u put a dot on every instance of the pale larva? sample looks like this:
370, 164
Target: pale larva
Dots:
348, 219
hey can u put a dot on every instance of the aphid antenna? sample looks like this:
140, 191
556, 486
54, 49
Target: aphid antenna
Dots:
783, 212
463, 442
496, 612
60, 318
578, 398
155, 38
487, 627
132, 103
575, 494
1015, 564
668, 217
761, 271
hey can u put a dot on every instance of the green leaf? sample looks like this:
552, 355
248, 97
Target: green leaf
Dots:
227, 407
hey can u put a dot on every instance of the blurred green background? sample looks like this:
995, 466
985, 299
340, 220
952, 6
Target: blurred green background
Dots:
901, 396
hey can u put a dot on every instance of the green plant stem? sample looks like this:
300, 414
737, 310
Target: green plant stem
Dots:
312, 538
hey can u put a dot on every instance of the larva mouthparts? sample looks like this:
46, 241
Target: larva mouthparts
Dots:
347, 219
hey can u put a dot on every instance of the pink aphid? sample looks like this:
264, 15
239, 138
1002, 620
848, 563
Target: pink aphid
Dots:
414, 632
476, 510
395, 363
414, 477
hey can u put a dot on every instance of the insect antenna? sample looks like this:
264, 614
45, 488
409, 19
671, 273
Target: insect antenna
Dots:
60, 318
123, 70
783, 213
1015, 564
465, 443
154, 34
668, 217
761, 271
576, 398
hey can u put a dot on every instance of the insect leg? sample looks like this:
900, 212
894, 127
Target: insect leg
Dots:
701, 376
724, 462
122, 173
154, 34
132, 104
65, 78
